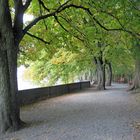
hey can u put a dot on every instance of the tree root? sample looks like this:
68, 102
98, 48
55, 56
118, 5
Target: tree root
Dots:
100, 87
133, 89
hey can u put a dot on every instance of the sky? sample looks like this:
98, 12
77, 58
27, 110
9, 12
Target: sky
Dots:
27, 18
22, 83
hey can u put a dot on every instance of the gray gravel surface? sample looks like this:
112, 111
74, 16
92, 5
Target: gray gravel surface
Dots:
85, 115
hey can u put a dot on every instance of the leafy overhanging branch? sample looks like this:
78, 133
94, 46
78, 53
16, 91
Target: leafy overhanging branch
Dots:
134, 6
59, 10
43, 5
64, 7
69, 22
38, 38
135, 34
56, 18
40, 3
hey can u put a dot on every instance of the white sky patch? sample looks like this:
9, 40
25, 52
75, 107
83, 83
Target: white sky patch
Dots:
22, 83
27, 18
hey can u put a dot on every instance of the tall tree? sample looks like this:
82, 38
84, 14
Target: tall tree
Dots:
136, 81
12, 32
9, 112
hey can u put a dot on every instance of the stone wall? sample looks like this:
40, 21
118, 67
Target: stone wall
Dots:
32, 95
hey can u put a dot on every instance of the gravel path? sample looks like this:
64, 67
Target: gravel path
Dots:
86, 115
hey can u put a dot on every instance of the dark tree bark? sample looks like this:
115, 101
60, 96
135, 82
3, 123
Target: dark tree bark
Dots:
5, 104
12, 60
136, 82
92, 77
100, 74
108, 74
137, 73
9, 109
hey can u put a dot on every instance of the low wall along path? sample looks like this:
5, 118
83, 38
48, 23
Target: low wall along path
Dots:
32, 95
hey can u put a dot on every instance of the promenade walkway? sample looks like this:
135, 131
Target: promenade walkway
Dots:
86, 115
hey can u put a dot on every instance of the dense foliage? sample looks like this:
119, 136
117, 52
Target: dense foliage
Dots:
63, 46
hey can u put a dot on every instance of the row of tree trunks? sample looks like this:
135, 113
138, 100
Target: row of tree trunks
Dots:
104, 74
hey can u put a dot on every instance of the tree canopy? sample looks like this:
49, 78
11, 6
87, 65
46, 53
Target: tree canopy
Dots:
65, 44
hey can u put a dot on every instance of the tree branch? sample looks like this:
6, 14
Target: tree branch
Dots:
58, 10
41, 14
110, 14
115, 29
18, 20
27, 4
56, 18
63, 7
136, 8
43, 5
38, 38
69, 22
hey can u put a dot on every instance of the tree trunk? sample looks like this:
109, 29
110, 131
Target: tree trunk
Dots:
9, 109
12, 60
100, 75
109, 74
136, 82
135, 88
5, 120
137, 73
